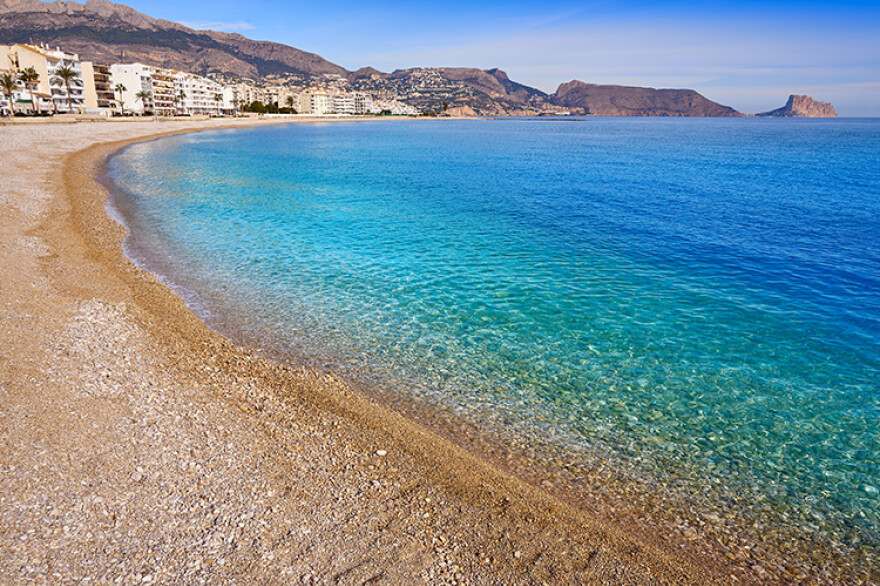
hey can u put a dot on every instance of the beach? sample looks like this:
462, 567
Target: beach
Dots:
139, 446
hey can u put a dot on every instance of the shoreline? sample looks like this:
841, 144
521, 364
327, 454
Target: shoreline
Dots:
505, 529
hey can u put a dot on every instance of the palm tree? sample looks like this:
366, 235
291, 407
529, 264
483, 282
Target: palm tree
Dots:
8, 83
218, 98
143, 96
120, 89
31, 78
64, 75
181, 96
289, 101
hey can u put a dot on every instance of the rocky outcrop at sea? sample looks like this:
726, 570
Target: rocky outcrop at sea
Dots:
802, 107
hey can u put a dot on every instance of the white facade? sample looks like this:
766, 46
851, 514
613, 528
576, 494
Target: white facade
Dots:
199, 96
282, 96
136, 77
248, 93
156, 82
93, 86
61, 99
230, 100
355, 104
290, 99
342, 104
313, 101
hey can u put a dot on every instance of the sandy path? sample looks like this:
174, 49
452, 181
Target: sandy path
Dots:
136, 446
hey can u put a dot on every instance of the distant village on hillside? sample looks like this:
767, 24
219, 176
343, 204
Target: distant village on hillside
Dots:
37, 79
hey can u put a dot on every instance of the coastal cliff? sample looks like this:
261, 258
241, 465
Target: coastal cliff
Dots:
802, 107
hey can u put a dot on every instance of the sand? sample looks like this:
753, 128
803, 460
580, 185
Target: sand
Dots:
138, 446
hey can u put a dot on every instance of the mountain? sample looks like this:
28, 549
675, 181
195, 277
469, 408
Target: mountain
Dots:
113, 33
802, 107
616, 100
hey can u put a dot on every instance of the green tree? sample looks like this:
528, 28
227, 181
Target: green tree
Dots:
9, 83
31, 79
120, 89
257, 107
65, 75
218, 98
180, 97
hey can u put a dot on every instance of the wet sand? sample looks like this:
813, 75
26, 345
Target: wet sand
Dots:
139, 446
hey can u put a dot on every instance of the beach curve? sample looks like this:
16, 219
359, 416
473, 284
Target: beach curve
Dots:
210, 462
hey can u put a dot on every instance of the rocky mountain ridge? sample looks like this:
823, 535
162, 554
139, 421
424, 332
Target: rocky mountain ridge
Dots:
109, 32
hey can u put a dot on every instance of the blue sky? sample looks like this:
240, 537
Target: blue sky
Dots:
749, 55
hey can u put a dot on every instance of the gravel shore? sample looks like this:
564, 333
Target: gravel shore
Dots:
137, 446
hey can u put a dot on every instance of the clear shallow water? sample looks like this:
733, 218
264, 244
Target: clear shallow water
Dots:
697, 301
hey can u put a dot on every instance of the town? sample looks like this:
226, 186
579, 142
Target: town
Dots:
40, 80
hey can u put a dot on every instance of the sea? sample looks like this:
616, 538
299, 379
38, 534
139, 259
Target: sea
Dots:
691, 305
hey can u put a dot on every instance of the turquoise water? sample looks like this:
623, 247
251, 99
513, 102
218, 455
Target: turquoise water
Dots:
694, 301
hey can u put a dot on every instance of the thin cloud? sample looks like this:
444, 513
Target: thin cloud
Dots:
239, 25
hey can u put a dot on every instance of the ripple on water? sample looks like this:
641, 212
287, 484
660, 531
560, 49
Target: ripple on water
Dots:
695, 302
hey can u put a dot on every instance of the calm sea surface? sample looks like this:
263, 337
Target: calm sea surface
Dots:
695, 301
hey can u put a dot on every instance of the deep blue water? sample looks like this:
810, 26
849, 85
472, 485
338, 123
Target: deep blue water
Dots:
689, 299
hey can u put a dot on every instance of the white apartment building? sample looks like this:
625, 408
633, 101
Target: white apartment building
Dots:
272, 95
230, 100
156, 82
283, 96
248, 93
354, 104
93, 86
164, 96
289, 98
135, 78
198, 96
97, 91
50, 92
314, 101
342, 103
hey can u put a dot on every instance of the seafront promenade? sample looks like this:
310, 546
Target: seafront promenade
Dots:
138, 446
